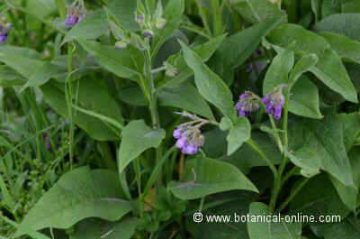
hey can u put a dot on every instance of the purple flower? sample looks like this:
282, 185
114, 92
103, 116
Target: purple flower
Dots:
189, 139
274, 103
74, 16
248, 102
4, 31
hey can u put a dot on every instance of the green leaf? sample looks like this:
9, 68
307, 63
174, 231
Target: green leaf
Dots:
173, 14
123, 11
329, 68
28, 65
318, 197
305, 63
345, 47
349, 194
94, 96
9, 77
205, 51
270, 230
351, 128
278, 71
344, 24
238, 134
121, 62
136, 138
93, 26
348, 229
258, 10
332, 73
237, 48
95, 229
186, 97
210, 85
304, 99
319, 145
79, 194
204, 176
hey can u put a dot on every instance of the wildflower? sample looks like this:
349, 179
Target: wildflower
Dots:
189, 138
274, 103
140, 19
74, 16
4, 30
248, 102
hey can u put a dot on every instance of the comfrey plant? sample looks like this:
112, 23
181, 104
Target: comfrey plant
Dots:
90, 148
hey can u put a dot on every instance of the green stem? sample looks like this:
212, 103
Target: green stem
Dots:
69, 101
293, 194
262, 155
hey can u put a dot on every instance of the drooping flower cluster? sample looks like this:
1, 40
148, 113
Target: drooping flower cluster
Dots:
248, 102
274, 103
75, 14
189, 139
4, 30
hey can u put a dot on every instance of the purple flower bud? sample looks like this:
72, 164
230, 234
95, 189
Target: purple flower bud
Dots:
189, 139
4, 31
181, 143
148, 34
190, 149
247, 103
74, 16
177, 133
3, 37
274, 103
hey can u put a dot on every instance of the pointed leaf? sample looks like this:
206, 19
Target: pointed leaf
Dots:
79, 194
210, 85
204, 176
136, 138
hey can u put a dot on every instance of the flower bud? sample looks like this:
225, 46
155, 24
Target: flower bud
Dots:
74, 16
248, 102
274, 103
4, 30
160, 23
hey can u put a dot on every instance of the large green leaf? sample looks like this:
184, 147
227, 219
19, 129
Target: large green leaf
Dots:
345, 47
28, 65
329, 68
136, 138
186, 97
238, 47
9, 77
239, 132
317, 198
204, 176
258, 10
319, 145
205, 51
349, 194
278, 72
345, 24
95, 229
93, 95
121, 62
304, 99
210, 85
79, 194
124, 13
351, 128
94, 25
270, 230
